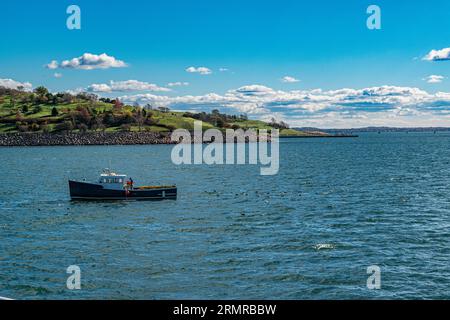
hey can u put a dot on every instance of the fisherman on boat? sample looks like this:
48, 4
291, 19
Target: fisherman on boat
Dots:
130, 183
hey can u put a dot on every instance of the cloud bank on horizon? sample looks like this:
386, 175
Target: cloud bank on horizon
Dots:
342, 108
380, 106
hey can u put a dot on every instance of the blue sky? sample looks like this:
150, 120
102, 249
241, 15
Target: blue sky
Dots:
324, 44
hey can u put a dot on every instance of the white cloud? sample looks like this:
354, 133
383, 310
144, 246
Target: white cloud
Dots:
289, 79
52, 65
88, 61
57, 75
178, 84
438, 55
128, 85
347, 107
76, 91
434, 79
12, 84
223, 69
200, 70
99, 87
253, 90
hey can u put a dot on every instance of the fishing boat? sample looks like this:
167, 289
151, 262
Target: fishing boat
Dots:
114, 186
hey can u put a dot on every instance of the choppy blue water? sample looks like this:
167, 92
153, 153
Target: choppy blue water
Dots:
336, 207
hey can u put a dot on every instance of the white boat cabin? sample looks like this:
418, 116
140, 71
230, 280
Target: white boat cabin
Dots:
111, 180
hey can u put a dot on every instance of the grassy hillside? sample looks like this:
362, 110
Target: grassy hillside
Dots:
41, 111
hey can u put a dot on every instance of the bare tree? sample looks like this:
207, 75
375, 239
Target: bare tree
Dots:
139, 118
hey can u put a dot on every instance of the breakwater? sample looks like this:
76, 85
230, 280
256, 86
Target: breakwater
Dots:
113, 138
88, 138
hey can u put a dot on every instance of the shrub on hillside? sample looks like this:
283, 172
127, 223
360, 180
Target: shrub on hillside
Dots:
82, 127
170, 127
37, 109
150, 121
21, 126
64, 126
108, 119
45, 128
54, 112
35, 127
125, 127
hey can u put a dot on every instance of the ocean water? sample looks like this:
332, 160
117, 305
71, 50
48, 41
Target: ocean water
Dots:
336, 207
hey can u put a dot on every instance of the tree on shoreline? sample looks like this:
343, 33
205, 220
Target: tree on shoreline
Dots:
54, 112
118, 105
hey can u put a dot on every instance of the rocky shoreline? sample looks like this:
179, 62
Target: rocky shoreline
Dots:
108, 138
89, 138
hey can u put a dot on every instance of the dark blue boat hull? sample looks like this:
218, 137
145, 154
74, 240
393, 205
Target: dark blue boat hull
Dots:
90, 191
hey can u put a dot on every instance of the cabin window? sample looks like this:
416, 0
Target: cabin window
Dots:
112, 180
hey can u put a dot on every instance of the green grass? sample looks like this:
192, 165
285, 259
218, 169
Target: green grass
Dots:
291, 132
176, 120
5, 127
157, 129
253, 124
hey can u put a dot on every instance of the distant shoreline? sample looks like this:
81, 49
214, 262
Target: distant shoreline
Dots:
324, 136
376, 129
